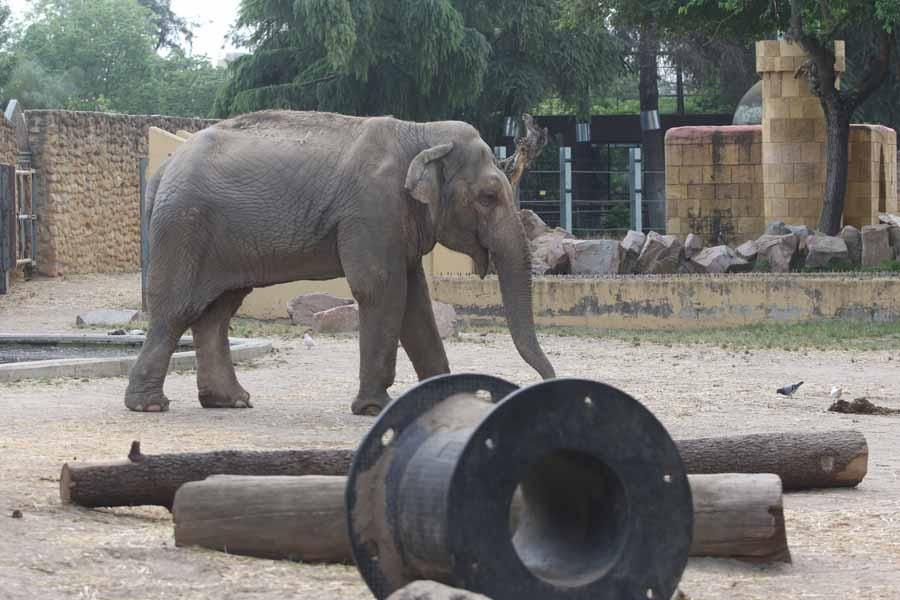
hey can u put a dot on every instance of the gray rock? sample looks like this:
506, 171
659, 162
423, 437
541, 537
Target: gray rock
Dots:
777, 228
106, 318
340, 319
889, 219
430, 590
748, 250
778, 251
719, 259
693, 245
631, 248
662, 254
593, 257
534, 225
824, 250
876, 245
303, 308
853, 239
548, 256
802, 232
445, 317
894, 235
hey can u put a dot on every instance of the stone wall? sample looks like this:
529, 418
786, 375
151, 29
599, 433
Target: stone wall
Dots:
872, 176
715, 172
8, 150
88, 187
682, 301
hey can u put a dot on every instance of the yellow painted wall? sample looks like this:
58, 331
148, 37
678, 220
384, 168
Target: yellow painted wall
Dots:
683, 301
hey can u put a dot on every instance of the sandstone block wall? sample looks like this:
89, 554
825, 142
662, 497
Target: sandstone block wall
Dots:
872, 175
715, 171
89, 187
8, 149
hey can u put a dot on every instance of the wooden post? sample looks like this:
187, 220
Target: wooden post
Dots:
303, 518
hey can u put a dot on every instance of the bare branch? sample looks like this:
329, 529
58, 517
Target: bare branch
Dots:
528, 148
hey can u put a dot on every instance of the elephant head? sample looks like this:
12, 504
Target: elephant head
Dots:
473, 211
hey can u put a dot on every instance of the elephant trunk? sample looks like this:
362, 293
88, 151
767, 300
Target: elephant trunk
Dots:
512, 258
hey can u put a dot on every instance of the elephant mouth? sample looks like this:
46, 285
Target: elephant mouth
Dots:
482, 262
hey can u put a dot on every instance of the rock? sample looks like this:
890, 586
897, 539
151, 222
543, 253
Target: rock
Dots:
430, 590
303, 308
720, 259
340, 319
894, 238
548, 256
802, 232
630, 252
593, 257
661, 254
777, 228
106, 318
823, 250
853, 238
876, 245
445, 317
748, 250
778, 251
693, 245
889, 219
534, 225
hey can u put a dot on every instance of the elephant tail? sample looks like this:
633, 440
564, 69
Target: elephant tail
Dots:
152, 187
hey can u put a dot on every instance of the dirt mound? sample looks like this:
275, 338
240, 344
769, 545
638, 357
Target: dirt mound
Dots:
861, 406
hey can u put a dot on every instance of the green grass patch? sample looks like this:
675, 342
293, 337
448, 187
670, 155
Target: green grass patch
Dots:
810, 335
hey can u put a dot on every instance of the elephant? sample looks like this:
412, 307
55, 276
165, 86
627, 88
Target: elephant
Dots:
276, 196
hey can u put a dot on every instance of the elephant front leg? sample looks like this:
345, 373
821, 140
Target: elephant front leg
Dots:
380, 321
420, 336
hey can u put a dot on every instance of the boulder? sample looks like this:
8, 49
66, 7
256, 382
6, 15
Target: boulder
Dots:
802, 232
777, 228
748, 250
430, 590
778, 251
823, 250
853, 239
661, 254
889, 219
340, 319
548, 256
876, 245
303, 308
693, 245
107, 318
719, 259
894, 235
534, 225
593, 257
445, 317
631, 248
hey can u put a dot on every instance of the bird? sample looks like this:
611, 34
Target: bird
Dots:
789, 390
308, 341
836, 392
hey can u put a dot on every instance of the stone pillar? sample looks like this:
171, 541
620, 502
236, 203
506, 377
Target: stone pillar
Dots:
793, 135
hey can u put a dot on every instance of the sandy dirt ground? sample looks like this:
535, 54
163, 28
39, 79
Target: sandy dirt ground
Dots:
845, 544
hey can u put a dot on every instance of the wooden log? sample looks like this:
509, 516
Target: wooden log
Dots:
802, 460
302, 518
807, 460
152, 480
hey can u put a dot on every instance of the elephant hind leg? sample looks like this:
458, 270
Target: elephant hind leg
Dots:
217, 382
147, 376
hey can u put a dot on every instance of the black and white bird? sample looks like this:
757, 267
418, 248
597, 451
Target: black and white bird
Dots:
836, 392
789, 390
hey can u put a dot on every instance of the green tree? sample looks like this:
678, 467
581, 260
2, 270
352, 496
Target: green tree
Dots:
415, 59
172, 31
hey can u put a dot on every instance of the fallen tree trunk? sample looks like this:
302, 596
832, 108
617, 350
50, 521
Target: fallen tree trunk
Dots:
802, 460
152, 480
303, 518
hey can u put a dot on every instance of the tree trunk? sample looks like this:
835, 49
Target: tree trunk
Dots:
802, 460
837, 119
153, 480
652, 140
303, 518
679, 87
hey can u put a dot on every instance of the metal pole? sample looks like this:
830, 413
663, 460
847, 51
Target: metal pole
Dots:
565, 188
636, 188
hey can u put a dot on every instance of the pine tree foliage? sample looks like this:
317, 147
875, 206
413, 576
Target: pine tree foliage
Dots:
415, 59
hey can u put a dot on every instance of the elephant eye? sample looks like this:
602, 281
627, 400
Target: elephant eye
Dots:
488, 197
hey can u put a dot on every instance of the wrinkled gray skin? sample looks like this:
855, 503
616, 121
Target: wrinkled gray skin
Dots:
278, 196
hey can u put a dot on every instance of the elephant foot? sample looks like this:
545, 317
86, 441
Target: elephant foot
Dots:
146, 402
236, 398
370, 406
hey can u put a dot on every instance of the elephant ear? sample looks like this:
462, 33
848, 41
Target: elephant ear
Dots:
423, 178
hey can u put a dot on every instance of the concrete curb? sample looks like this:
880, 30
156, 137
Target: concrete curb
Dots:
241, 349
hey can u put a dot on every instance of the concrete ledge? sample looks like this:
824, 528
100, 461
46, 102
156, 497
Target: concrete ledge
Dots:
241, 349
684, 301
